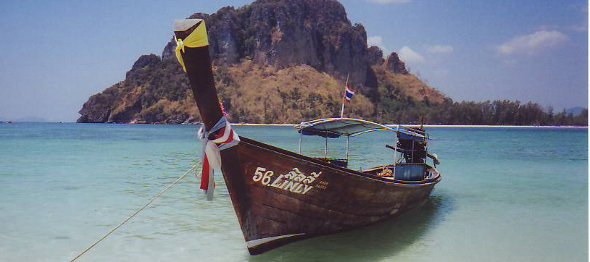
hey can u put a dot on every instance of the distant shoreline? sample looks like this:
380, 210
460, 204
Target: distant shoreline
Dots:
438, 126
292, 125
495, 126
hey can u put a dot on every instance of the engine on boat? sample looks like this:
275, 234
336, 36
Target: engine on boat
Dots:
413, 148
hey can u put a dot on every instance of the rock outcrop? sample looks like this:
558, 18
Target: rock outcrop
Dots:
375, 56
396, 65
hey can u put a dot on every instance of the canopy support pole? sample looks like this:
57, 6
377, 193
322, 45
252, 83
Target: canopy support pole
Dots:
300, 139
347, 146
413, 143
395, 154
326, 146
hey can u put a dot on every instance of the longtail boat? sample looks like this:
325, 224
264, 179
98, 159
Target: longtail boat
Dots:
281, 196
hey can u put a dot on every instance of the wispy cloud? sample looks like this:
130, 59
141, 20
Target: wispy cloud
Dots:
439, 49
564, 28
410, 56
386, 2
377, 41
577, 28
532, 43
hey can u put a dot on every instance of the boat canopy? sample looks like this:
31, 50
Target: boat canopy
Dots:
336, 127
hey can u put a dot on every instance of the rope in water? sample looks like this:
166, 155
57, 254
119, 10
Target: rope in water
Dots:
136, 212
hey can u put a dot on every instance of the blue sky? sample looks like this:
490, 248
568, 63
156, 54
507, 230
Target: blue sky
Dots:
55, 54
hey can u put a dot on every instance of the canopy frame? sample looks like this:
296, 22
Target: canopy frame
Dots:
337, 127
348, 127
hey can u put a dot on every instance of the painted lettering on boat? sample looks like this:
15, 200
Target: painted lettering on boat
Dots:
294, 181
322, 185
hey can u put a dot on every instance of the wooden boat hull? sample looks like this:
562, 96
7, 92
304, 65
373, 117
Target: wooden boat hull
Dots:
280, 196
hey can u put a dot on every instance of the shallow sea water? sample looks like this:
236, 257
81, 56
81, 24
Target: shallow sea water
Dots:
508, 194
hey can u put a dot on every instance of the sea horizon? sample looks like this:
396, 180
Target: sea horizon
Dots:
293, 125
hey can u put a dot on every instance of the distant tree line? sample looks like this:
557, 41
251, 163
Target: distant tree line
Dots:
498, 112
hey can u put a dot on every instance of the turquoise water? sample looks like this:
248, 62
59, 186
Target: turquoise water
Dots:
507, 195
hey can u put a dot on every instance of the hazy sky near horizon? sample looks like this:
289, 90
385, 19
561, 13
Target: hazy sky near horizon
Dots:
55, 54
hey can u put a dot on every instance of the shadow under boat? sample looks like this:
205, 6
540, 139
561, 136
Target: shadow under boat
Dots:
371, 243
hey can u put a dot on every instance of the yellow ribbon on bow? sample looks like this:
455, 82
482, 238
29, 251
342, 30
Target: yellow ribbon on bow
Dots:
198, 38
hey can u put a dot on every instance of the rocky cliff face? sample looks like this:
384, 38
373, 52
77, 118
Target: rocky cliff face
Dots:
287, 33
273, 36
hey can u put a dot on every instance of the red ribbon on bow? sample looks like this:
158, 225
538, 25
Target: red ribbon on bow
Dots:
223, 137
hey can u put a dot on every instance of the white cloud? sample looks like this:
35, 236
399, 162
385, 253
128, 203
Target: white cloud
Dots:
377, 41
439, 49
410, 56
386, 2
532, 43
